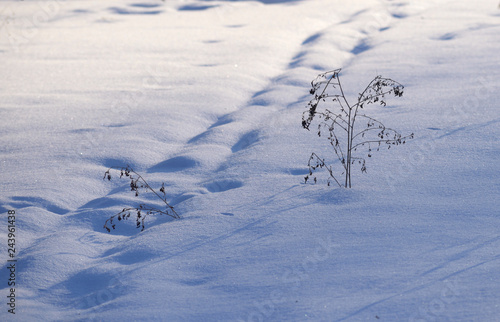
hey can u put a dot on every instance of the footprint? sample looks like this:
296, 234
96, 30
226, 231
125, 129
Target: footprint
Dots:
95, 286
212, 41
352, 17
259, 98
399, 15
115, 163
192, 7
312, 38
84, 130
103, 202
362, 46
223, 185
174, 164
207, 65
196, 281
448, 36
22, 202
297, 59
82, 11
145, 5
123, 11
134, 256
298, 172
246, 140
202, 137
226, 119
183, 197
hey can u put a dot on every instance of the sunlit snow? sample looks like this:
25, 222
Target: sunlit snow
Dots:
207, 97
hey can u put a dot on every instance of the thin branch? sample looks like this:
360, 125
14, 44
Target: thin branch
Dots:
327, 117
397, 141
313, 106
137, 182
321, 164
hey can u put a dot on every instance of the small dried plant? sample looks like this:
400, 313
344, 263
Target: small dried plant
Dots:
348, 138
137, 184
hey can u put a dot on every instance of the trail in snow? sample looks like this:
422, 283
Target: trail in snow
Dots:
207, 97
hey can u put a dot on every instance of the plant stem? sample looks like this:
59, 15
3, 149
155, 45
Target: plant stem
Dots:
349, 138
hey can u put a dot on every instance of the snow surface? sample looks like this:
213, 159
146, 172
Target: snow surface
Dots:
207, 96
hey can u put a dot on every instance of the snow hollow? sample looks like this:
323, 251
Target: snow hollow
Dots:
207, 97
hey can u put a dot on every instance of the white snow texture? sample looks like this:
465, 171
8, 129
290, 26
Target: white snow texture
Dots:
207, 97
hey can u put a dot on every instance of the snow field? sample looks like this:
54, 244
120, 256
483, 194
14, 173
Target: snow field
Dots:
207, 96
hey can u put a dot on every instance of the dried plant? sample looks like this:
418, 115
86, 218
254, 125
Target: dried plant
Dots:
348, 138
137, 183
